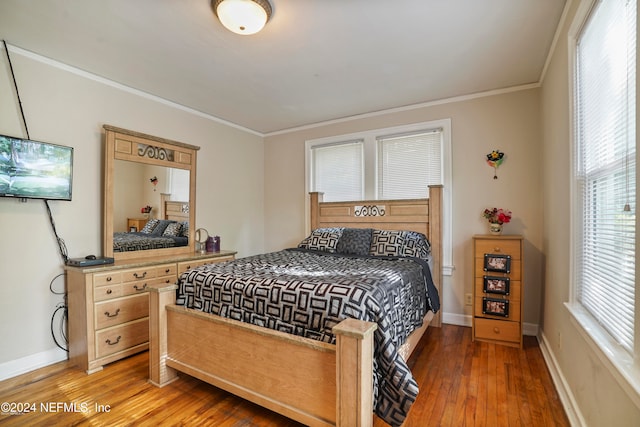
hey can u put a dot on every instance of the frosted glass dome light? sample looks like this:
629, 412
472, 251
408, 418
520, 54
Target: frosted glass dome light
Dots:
243, 16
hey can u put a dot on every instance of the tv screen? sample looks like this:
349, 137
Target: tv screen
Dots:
35, 170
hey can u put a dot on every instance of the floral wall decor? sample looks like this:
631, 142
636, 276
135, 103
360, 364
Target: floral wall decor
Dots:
154, 181
495, 159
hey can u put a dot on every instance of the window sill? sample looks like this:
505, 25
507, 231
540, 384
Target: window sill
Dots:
613, 357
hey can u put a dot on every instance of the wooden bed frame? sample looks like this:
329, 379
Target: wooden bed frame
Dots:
173, 210
312, 382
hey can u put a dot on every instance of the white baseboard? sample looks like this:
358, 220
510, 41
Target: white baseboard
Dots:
530, 329
456, 319
16, 367
564, 392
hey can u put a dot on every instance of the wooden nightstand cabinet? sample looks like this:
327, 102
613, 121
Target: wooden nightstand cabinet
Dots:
138, 223
498, 289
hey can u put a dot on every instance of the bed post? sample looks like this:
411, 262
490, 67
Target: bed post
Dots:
435, 238
159, 297
354, 373
315, 200
164, 197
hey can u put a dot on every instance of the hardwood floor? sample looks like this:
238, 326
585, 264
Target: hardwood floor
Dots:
462, 383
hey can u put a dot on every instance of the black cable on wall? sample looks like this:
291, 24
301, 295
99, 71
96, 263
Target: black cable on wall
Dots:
61, 308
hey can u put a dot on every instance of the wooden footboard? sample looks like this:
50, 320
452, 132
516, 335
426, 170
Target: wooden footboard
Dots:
315, 383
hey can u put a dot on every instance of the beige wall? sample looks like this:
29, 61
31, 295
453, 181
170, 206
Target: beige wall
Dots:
597, 398
509, 122
70, 109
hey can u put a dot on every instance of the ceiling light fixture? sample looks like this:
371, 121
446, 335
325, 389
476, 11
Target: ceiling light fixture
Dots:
243, 16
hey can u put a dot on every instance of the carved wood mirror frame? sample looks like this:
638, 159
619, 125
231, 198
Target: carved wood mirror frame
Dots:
122, 144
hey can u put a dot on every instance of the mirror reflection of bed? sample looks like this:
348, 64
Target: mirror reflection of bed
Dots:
165, 190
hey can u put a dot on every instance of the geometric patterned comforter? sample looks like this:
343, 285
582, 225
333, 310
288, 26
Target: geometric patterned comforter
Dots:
123, 242
307, 293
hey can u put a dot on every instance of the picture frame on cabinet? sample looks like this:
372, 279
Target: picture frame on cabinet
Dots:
496, 285
495, 307
497, 263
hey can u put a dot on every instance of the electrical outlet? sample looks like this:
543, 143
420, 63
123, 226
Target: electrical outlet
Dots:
468, 299
559, 340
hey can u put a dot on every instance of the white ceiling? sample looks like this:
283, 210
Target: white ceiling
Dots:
315, 61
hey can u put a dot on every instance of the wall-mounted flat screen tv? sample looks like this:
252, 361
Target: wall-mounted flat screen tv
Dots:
35, 170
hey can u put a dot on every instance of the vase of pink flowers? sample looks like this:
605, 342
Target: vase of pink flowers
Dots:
496, 217
146, 211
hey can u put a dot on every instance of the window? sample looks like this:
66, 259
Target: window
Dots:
337, 170
605, 169
408, 164
392, 163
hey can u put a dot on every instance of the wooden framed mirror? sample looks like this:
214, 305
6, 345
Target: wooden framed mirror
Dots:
143, 172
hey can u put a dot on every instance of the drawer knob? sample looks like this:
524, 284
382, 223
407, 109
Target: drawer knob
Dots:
109, 291
108, 341
496, 330
140, 289
106, 313
140, 276
167, 270
497, 249
109, 279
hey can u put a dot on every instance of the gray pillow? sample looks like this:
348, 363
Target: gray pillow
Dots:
162, 225
355, 241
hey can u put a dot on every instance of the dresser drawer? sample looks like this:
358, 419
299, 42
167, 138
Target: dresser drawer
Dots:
141, 286
515, 289
498, 247
110, 278
101, 293
138, 274
500, 330
505, 305
515, 272
121, 310
113, 340
166, 270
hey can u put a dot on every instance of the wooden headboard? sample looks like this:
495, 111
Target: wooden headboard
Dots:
173, 210
421, 215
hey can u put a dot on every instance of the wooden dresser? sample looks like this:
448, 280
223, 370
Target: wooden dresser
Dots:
108, 305
498, 289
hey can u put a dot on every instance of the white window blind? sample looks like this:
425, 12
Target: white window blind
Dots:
408, 164
337, 170
606, 168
